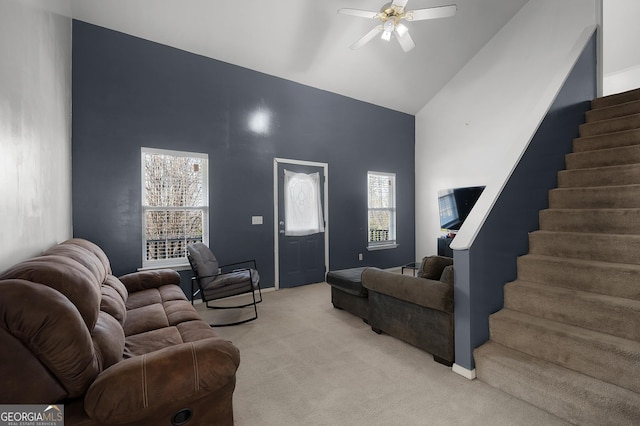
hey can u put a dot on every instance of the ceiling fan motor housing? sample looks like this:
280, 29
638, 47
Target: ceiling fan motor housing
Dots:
391, 12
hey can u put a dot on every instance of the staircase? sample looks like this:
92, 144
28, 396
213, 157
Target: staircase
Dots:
568, 337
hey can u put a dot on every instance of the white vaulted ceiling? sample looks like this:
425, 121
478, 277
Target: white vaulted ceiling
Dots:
307, 41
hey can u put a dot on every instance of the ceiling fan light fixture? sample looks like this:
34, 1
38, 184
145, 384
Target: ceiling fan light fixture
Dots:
388, 26
401, 29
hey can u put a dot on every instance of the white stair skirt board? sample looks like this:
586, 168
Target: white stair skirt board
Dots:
467, 374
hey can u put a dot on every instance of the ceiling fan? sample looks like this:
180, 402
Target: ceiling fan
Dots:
391, 15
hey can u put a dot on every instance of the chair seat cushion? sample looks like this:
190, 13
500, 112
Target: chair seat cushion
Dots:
247, 277
348, 280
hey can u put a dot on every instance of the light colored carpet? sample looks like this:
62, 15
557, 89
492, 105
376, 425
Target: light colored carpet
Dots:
306, 363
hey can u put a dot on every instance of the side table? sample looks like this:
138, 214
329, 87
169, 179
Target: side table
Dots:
414, 266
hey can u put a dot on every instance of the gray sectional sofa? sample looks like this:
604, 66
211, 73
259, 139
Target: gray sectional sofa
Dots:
417, 310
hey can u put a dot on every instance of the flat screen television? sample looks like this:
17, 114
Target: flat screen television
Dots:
455, 205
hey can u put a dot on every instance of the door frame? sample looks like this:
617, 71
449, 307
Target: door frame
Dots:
276, 239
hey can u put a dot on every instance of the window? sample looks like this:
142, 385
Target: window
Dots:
382, 210
175, 210
302, 204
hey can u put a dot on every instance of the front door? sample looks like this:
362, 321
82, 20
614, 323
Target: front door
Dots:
301, 258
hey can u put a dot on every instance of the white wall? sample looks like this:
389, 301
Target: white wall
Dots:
621, 81
35, 127
474, 130
620, 39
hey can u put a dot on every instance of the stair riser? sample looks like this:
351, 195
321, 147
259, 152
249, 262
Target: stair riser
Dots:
611, 315
605, 221
606, 248
610, 126
614, 111
605, 176
616, 99
603, 158
616, 280
569, 395
597, 197
613, 140
604, 362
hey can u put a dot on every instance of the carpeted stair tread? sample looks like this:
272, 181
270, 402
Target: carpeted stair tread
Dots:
616, 99
611, 140
608, 358
570, 395
612, 125
613, 111
627, 174
601, 221
603, 157
616, 196
615, 316
612, 279
615, 248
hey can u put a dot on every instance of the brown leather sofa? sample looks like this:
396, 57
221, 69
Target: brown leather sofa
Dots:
114, 351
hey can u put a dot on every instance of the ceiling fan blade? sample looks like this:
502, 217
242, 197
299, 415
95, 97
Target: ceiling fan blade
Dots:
431, 13
367, 38
358, 12
405, 40
399, 3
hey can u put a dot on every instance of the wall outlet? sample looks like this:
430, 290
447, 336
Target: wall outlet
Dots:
359, 256
256, 220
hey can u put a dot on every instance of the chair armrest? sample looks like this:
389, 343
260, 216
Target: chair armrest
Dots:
162, 382
420, 291
251, 261
142, 280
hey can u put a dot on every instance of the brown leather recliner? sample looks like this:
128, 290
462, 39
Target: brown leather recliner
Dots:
129, 350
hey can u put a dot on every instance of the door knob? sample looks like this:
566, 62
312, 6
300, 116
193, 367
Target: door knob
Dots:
282, 231
281, 223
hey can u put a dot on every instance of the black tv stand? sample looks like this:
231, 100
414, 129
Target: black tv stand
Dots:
443, 247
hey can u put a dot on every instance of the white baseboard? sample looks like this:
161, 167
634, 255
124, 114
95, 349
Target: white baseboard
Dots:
467, 374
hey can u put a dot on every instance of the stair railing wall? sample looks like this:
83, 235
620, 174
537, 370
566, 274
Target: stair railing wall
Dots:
489, 262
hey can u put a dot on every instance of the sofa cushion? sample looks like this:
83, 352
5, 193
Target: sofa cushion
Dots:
112, 303
151, 341
92, 248
117, 285
108, 340
54, 333
447, 275
145, 318
179, 311
68, 277
192, 331
82, 256
432, 267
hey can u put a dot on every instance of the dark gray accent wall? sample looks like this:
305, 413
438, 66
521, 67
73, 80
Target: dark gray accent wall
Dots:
490, 263
129, 93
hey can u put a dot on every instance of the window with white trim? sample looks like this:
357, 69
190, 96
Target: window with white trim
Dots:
175, 205
382, 210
